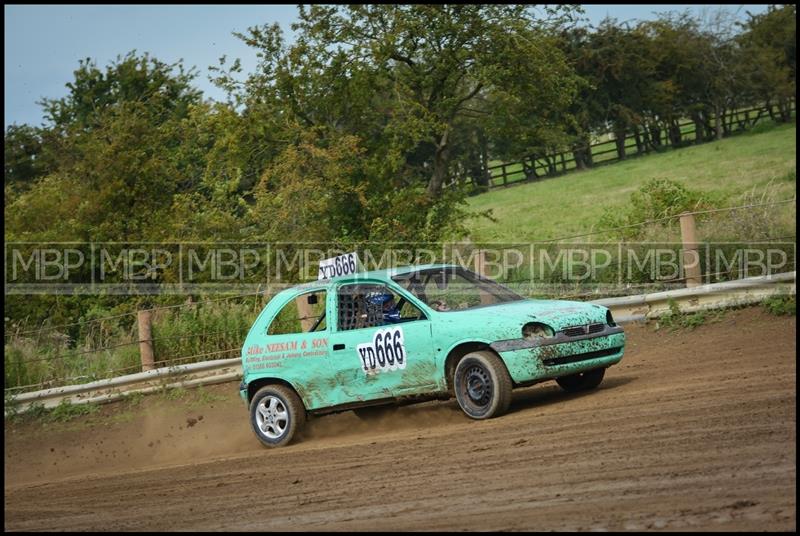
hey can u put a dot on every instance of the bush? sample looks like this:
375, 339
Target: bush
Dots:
781, 305
66, 411
675, 319
764, 218
656, 199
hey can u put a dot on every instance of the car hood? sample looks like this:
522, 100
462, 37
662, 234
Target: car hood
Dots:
506, 319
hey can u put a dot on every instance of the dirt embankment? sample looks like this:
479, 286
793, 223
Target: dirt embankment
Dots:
692, 430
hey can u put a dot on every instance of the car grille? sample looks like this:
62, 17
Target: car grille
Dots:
577, 331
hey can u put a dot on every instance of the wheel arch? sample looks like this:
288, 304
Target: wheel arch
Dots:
258, 383
458, 351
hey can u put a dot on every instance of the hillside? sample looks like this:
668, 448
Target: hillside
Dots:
763, 159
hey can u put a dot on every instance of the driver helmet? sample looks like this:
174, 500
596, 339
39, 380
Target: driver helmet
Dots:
379, 298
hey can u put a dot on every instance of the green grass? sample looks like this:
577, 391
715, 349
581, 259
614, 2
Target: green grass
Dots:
676, 320
64, 412
781, 305
181, 335
604, 147
573, 203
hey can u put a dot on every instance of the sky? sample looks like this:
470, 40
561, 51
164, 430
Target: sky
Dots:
43, 44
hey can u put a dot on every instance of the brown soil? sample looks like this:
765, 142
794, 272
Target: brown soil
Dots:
693, 430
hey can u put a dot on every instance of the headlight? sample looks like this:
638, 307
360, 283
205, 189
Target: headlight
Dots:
610, 319
535, 330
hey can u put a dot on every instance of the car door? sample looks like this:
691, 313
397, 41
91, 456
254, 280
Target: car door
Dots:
296, 345
377, 354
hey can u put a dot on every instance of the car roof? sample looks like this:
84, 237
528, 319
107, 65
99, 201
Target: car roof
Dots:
391, 272
385, 274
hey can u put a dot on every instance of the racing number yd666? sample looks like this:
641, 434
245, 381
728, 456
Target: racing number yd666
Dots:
338, 266
386, 351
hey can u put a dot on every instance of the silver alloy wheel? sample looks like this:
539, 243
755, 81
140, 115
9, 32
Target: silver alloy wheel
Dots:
272, 417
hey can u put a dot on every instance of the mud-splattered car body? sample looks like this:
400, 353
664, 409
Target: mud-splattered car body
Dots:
341, 356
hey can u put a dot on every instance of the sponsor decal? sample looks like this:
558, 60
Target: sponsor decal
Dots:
285, 350
386, 351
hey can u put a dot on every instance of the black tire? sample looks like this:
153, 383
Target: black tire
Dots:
582, 381
276, 414
371, 413
482, 385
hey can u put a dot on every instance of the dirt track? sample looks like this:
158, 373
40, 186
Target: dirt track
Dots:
693, 430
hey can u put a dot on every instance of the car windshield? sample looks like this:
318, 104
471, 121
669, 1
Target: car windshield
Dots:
452, 288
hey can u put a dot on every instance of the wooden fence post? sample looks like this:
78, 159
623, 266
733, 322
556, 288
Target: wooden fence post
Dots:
480, 269
145, 340
480, 262
691, 257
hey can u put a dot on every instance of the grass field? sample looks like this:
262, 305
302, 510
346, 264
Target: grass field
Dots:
604, 148
763, 159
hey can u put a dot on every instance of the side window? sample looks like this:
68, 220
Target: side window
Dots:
303, 314
370, 305
409, 311
452, 292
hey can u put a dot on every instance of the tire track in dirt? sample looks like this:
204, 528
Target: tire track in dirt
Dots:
692, 431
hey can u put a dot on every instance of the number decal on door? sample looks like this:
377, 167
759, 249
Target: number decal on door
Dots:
386, 352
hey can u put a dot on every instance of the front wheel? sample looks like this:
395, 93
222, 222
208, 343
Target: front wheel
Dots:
482, 385
276, 413
582, 381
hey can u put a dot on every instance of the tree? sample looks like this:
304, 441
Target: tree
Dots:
24, 160
613, 61
113, 180
724, 83
770, 49
530, 109
116, 151
403, 78
165, 88
587, 110
680, 52
132, 155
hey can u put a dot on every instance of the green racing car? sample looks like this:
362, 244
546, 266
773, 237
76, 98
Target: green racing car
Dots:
359, 340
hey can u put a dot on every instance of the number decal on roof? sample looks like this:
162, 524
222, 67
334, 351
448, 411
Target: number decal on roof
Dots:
346, 264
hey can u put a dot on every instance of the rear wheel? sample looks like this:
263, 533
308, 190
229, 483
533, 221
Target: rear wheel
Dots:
482, 385
276, 413
582, 381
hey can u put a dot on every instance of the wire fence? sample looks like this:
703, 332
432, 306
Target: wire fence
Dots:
240, 333
132, 313
61, 326
550, 240
666, 218
132, 343
57, 382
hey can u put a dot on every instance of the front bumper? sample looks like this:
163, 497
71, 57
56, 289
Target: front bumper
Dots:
561, 355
